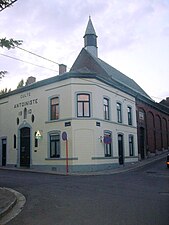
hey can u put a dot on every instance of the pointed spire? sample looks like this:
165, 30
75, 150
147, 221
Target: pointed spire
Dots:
90, 29
90, 38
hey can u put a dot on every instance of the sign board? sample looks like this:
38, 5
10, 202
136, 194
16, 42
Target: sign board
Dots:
64, 136
107, 140
38, 134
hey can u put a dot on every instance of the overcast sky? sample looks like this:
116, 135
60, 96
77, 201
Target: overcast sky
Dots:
133, 37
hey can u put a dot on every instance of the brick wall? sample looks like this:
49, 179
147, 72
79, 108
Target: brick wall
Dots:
153, 124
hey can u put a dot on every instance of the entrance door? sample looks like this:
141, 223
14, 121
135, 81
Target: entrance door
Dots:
142, 141
3, 152
25, 147
120, 149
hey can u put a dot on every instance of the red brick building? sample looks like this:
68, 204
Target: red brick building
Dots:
153, 127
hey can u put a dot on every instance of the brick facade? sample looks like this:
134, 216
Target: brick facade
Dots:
153, 128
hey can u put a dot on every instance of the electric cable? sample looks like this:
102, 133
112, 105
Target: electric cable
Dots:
11, 57
37, 55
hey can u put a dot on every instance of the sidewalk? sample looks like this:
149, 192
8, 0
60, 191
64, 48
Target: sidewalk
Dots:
7, 201
11, 204
9, 198
129, 166
119, 169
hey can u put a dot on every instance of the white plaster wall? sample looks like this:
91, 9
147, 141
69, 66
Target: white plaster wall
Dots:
83, 133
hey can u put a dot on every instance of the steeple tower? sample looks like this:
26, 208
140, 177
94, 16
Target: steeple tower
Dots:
90, 39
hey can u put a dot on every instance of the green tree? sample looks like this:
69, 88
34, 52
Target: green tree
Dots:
9, 43
2, 73
6, 3
4, 91
20, 84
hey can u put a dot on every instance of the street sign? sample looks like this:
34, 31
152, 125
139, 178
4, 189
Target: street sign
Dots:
107, 140
64, 136
38, 134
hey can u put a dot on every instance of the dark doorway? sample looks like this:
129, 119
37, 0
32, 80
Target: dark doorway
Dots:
120, 149
142, 142
3, 152
25, 147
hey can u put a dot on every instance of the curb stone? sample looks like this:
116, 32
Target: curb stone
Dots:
7, 204
12, 210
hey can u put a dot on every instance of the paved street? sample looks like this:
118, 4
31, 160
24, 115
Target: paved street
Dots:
139, 197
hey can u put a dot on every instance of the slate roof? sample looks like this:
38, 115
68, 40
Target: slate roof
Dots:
121, 78
85, 73
108, 73
90, 28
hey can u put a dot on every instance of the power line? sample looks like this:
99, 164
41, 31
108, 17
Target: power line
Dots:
49, 60
37, 55
11, 57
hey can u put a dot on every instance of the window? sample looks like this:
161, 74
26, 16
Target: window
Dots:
36, 141
54, 108
107, 144
129, 110
33, 118
55, 146
17, 120
119, 113
141, 115
25, 113
83, 105
131, 145
14, 144
106, 108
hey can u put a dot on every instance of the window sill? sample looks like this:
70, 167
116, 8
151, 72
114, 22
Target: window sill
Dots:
59, 159
104, 157
133, 156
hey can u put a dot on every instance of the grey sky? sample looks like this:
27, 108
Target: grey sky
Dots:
132, 37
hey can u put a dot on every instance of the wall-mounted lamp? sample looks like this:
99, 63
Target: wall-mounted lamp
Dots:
101, 138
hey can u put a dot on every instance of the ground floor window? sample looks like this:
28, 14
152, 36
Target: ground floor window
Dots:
36, 140
14, 144
55, 145
107, 144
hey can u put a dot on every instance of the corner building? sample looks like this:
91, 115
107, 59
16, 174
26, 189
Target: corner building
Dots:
88, 106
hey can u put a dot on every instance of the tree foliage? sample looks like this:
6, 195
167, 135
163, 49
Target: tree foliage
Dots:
4, 91
9, 43
20, 84
2, 73
6, 3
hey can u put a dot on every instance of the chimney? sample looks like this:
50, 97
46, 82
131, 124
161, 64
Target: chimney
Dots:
167, 99
62, 69
30, 80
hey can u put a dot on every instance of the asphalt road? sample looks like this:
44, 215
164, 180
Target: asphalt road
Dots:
140, 197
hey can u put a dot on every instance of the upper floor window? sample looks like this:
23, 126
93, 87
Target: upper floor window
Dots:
119, 113
129, 111
141, 115
54, 108
131, 145
83, 105
106, 108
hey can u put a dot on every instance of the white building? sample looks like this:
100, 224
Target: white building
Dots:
92, 105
